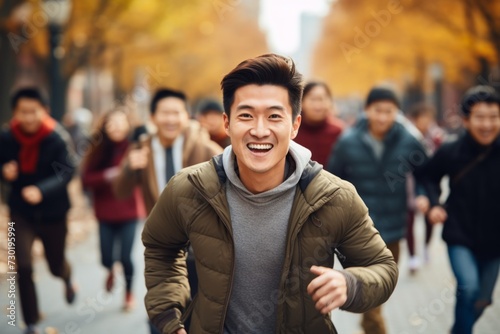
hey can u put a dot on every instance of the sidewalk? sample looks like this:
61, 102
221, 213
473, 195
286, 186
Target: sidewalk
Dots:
422, 303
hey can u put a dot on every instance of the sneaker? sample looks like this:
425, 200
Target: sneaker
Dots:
31, 329
414, 264
110, 281
129, 302
70, 292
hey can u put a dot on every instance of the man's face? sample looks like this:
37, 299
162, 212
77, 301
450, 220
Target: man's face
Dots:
29, 113
212, 121
171, 118
261, 127
483, 122
381, 116
316, 105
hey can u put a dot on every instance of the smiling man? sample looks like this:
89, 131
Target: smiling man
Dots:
37, 165
264, 222
470, 214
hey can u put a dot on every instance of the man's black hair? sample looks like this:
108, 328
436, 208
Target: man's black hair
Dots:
476, 95
164, 93
32, 93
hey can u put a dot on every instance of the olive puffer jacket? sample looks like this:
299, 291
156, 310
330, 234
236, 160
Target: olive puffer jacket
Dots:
327, 217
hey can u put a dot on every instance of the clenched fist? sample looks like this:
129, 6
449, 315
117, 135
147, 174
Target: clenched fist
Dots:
10, 171
328, 290
138, 158
32, 194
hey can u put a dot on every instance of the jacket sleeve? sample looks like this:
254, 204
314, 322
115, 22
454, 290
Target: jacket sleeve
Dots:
63, 167
429, 175
123, 185
165, 241
370, 269
418, 157
94, 179
336, 160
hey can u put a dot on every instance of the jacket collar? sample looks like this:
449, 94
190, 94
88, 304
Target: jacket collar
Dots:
310, 171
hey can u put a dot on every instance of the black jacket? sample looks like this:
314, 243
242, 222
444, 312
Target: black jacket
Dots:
54, 170
473, 204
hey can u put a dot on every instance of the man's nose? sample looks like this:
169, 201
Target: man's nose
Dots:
260, 128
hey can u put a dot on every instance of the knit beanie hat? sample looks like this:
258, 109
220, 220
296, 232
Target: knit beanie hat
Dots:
381, 94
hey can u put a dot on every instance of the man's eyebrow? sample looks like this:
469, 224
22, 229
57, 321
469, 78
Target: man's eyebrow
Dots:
276, 107
244, 107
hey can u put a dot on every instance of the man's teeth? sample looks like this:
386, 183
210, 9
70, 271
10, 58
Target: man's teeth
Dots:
260, 146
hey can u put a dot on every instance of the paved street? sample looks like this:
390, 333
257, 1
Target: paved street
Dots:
422, 303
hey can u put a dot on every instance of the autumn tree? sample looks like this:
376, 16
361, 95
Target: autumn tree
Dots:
185, 44
368, 42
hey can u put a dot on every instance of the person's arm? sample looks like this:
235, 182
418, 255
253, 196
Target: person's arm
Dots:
370, 270
129, 174
93, 178
336, 159
430, 173
63, 169
165, 241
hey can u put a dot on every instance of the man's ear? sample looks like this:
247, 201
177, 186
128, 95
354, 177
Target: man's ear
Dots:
296, 126
225, 118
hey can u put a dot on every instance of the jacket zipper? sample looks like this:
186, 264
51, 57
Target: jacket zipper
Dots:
301, 285
226, 224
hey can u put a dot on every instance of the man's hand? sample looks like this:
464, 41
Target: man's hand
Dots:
32, 194
10, 171
328, 290
437, 214
422, 203
181, 331
138, 158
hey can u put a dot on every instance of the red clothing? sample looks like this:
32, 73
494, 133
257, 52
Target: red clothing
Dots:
106, 206
30, 144
320, 139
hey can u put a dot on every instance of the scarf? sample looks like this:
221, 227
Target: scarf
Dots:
30, 143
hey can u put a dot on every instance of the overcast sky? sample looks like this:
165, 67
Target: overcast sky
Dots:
280, 19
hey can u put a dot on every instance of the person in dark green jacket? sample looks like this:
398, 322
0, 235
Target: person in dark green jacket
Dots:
376, 156
264, 222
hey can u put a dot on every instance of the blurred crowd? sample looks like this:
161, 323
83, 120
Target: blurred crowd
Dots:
395, 158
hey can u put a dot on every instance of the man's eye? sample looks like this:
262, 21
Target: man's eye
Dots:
245, 116
275, 116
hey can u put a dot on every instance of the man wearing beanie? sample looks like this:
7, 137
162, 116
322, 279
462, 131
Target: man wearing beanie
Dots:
376, 156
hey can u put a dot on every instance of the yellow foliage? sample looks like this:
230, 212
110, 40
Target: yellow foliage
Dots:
187, 45
366, 42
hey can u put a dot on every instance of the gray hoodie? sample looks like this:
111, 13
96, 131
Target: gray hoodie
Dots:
260, 224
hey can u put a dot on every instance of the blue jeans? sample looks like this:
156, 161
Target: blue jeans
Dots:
124, 233
475, 284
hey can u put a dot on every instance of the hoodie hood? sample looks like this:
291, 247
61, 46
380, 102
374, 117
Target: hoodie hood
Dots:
298, 159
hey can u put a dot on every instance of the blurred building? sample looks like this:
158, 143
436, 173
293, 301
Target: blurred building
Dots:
310, 30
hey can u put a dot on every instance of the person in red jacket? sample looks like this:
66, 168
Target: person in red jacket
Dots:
320, 129
117, 217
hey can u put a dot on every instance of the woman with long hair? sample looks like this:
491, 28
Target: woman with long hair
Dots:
117, 218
